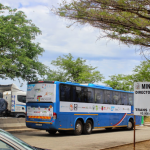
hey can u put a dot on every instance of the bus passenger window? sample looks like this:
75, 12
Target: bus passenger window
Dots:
73, 93
116, 98
65, 93
84, 95
108, 97
78, 94
124, 98
99, 96
62, 93
130, 98
90, 95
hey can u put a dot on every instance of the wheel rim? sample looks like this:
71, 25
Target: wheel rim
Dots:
78, 128
129, 125
88, 127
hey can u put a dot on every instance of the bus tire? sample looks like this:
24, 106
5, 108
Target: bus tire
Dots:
52, 132
130, 125
87, 129
78, 128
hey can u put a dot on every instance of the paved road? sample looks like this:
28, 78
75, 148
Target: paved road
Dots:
99, 139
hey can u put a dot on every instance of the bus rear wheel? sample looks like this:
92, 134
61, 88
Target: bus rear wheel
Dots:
130, 125
88, 127
78, 128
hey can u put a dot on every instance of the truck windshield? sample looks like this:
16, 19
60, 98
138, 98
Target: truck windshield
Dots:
41, 92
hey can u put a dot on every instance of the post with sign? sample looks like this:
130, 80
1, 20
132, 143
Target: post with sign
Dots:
141, 100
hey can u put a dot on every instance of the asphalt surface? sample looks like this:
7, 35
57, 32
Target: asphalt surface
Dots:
99, 139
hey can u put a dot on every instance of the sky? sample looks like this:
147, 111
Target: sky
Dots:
110, 57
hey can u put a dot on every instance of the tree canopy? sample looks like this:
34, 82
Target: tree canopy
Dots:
18, 53
69, 69
141, 73
120, 82
125, 20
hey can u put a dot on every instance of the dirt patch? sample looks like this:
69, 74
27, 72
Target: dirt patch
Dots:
138, 146
147, 119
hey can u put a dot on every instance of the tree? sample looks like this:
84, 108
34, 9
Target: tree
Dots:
18, 53
54, 75
141, 73
73, 70
125, 20
120, 82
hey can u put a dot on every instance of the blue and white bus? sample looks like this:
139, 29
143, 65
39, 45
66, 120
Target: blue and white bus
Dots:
60, 106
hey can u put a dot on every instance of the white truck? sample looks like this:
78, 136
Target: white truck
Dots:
12, 101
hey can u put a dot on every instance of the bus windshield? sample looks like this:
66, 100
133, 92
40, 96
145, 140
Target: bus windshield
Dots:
41, 92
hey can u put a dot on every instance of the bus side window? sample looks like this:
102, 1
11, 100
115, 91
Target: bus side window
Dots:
130, 98
74, 94
99, 96
84, 95
116, 98
65, 93
108, 97
78, 94
124, 98
90, 95
62, 93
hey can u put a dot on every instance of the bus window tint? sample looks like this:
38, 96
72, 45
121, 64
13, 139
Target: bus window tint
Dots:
130, 98
79, 94
84, 95
108, 97
99, 96
116, 98
90, 95
65, 92
74, 94
124, 98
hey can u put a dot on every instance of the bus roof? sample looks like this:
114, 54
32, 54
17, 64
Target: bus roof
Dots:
83, 85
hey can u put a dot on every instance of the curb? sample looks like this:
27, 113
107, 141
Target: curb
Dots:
21, 130
123, 145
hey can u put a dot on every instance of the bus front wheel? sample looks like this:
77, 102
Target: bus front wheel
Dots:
130, 125
78, 128
87, 127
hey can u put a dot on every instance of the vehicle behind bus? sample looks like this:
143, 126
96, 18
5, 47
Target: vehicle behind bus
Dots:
12, 101
62, 106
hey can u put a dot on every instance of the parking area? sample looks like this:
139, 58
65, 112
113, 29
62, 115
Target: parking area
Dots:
99, 139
